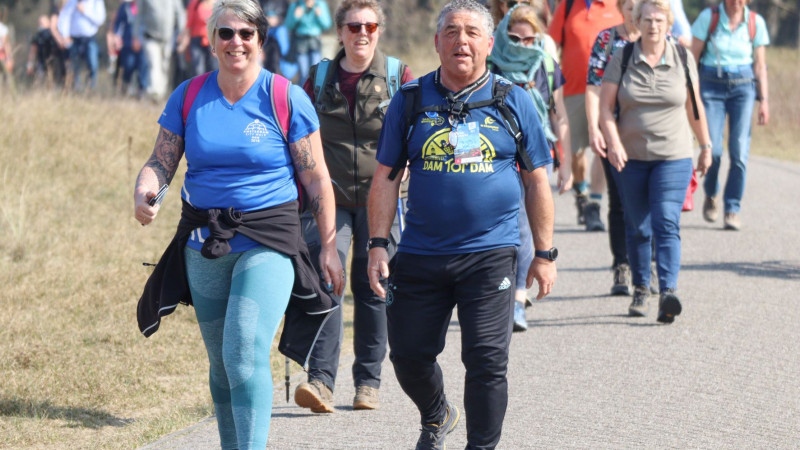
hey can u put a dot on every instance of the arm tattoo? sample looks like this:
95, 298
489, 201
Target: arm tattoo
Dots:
166, 155
301, 155
316, 206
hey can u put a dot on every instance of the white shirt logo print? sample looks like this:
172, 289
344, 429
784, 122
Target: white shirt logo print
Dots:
256, 130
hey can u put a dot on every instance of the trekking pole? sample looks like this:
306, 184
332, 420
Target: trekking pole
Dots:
287, 379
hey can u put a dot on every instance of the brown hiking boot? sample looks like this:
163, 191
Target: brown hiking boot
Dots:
366, 398
314, 395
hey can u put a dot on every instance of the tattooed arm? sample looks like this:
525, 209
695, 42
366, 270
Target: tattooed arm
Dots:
157, 171
310, 168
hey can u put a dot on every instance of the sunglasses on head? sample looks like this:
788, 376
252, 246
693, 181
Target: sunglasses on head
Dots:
355, 27
513, 3
227, 33
522, 40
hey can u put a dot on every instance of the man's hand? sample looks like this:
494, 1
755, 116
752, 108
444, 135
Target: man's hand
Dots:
544, 271
332, 270
377, 268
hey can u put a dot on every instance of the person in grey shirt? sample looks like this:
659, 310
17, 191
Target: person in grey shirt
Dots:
155, 30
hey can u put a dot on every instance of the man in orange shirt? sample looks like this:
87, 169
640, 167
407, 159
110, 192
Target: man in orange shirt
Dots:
574, 28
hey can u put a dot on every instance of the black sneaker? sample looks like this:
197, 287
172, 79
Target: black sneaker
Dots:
591, 215
669, 306
622, 278
580, 203
431, 436
638, 306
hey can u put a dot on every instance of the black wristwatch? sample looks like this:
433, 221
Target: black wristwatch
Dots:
377, 242
551, 254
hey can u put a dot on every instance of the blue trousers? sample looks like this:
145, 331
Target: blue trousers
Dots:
728, 93
239, 300
653, 194
84, 49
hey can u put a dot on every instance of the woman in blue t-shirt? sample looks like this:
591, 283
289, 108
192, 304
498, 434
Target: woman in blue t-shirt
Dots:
241, 177
733, 74
519, 56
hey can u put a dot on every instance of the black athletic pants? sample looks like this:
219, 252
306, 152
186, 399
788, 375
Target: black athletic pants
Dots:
423, 290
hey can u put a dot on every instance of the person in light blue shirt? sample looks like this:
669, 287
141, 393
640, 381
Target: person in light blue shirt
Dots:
733, 74
306, 20
78, 22
680, 27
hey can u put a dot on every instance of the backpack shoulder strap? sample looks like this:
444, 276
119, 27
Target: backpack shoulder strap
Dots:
751, 25
567, 8
411, 93
689, 85
550, 69
319, 77
281, 104
190, 92
393, 74
627, 52
610, 46
500, 89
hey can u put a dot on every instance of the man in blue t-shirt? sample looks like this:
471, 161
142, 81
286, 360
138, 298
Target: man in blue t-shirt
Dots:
459, 243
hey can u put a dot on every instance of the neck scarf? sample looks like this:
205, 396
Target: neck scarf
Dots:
519, 64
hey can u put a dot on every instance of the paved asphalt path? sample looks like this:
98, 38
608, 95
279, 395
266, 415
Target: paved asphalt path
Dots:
726, 374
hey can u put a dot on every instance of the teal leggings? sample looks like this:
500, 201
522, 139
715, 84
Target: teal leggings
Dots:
239, 300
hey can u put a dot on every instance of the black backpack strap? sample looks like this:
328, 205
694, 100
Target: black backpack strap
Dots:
499, 93
410, 93
682, 54
627, 52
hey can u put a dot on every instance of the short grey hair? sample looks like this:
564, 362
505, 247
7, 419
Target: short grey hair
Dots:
467, 6
249, 11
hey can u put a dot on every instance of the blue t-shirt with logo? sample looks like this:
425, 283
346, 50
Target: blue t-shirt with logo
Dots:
235, 153
469, 207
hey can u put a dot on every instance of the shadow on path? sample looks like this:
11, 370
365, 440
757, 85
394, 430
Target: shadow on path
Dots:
75, 416
784, 270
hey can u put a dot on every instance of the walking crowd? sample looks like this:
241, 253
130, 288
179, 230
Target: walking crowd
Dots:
436, 189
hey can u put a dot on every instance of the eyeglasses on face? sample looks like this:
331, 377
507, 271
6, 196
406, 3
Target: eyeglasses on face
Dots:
227, 33
513, 3
355, 27
523, 40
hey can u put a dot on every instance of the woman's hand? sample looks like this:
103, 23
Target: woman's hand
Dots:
617, 157
332, 271
703, 162
597, 142
763, 112
564, 178
142, 210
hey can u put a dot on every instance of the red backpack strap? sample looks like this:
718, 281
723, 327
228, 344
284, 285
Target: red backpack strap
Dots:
281, 105
712, 26
190, 93
751, 25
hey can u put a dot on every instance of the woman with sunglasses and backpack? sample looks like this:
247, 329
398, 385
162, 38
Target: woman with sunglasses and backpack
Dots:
238, 254
351, 93
519, 56
729, 41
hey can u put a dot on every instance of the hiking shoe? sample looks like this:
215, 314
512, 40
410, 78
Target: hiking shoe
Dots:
653, 277
669, 306
431, 436
580, 202
520, 323
314, 395
710, 210
732, 222
591, 216
638, 306
622, 278
366, 398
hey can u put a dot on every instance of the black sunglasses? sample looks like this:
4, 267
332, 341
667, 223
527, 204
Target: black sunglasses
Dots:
355, 27
523, 40
227, 33
513, 3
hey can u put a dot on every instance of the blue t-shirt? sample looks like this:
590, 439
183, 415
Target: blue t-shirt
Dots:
729, 47
465, 208
235, 153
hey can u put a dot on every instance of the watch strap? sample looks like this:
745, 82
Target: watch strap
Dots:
377, 242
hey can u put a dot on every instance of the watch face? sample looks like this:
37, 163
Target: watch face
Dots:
553, 253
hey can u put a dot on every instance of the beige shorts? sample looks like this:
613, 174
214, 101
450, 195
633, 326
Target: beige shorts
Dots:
578, 124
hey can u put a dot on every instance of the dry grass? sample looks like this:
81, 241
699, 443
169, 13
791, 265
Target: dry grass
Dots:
75, 370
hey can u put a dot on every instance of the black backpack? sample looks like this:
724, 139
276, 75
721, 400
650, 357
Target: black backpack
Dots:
411, 93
